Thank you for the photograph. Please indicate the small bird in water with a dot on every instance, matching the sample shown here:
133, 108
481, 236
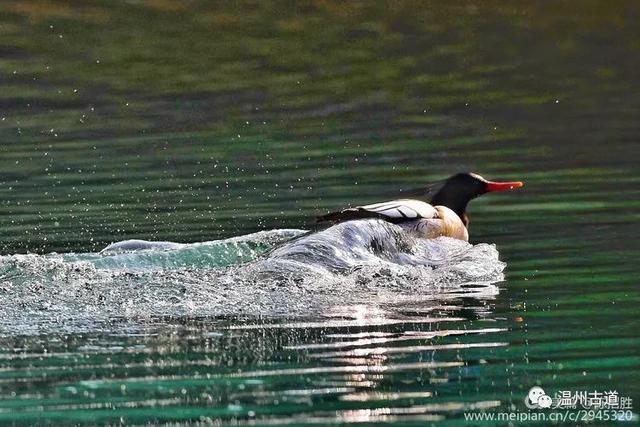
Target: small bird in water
444, 215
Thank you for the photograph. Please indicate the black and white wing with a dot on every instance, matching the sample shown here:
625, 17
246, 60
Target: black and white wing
394, 211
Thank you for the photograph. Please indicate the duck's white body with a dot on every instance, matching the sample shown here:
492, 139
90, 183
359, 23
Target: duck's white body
416, 216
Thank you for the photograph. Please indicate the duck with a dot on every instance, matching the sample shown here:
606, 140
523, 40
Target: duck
443, 214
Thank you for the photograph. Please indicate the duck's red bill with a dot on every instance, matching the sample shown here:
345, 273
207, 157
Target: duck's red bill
502, 186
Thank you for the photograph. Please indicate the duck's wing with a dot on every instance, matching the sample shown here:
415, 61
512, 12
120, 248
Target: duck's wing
395, 211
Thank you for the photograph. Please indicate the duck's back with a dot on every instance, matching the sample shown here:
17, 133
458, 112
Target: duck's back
395, 211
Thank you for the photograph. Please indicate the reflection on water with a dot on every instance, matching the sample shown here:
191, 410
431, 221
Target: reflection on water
117, 123
399, 365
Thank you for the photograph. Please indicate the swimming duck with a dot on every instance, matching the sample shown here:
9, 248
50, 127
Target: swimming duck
444, 215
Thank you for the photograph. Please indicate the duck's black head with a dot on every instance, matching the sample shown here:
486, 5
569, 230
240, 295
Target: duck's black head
459, 189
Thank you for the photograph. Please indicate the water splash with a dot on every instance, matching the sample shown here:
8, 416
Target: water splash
269, 273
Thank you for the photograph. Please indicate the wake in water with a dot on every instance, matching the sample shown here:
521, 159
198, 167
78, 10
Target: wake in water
277, 272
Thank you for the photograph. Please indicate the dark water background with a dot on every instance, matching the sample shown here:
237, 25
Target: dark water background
205, 120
